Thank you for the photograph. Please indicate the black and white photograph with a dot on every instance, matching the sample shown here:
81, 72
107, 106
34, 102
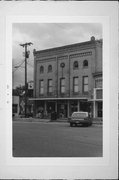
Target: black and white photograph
57, 90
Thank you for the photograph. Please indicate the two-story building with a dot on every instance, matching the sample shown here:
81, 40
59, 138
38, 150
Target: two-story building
68, 79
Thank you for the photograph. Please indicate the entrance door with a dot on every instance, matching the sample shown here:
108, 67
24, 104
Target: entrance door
62, 111
84, 106
50, 106
99, 109
73, 106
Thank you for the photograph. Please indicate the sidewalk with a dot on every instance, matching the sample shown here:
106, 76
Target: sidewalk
30, 119
96, 121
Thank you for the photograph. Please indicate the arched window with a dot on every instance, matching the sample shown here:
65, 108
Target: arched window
75, 65
41, 70
50, 68
85, 63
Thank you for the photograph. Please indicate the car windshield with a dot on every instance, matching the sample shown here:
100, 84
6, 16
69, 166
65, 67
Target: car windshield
79, 115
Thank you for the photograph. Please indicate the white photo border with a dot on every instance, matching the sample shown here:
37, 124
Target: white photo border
62, 168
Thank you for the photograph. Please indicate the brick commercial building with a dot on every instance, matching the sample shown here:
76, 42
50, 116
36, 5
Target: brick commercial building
68, 79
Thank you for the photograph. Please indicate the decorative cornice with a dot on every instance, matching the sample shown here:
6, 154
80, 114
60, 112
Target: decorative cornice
65, 49
97, 74
62, 57
46, 59
89, 53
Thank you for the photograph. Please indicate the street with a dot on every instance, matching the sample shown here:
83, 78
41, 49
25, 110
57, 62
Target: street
53, 139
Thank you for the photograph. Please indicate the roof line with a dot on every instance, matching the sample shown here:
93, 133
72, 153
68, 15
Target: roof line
67, 46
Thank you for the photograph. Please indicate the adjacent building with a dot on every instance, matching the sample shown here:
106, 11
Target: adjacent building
18, 100
68, 79
15, 106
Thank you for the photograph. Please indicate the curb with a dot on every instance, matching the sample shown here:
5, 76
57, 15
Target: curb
49, 121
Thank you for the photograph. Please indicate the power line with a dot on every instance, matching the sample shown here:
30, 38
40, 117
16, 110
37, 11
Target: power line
30, 65
18, 63
17, 67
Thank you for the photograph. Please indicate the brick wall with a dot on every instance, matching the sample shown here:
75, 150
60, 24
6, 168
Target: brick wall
91, 52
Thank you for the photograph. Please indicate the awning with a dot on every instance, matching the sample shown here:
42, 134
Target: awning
60, 98
96, 100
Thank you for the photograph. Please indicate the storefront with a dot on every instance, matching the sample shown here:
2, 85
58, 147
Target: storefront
97, 103
63, 107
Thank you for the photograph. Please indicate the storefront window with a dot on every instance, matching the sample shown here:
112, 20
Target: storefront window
73, 107
15, 107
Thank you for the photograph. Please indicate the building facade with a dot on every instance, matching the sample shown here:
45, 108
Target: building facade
68, 79
15, 106
30, 103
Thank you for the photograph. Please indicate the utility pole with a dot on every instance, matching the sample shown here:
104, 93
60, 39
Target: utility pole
26, 86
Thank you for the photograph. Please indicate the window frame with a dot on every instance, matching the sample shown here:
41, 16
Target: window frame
98, 82
49, 70
41, 87
75, 84
50, 86
85, 84
85, 61
62, 86
74, 65
41, 70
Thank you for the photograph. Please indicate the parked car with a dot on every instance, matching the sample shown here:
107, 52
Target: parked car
82, 118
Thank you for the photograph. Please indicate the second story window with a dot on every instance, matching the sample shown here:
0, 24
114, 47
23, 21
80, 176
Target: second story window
75, 65
62, 85
41, 87
50, 86
85, 84
50, 68
75, 85
98, 82
41, 70
85, 64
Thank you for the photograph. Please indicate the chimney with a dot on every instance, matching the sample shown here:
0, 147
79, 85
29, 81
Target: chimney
92, 38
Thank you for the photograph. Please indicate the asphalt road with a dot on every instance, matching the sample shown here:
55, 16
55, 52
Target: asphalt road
36, 139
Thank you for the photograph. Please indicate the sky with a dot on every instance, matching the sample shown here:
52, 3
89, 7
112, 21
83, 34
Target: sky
44, 36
